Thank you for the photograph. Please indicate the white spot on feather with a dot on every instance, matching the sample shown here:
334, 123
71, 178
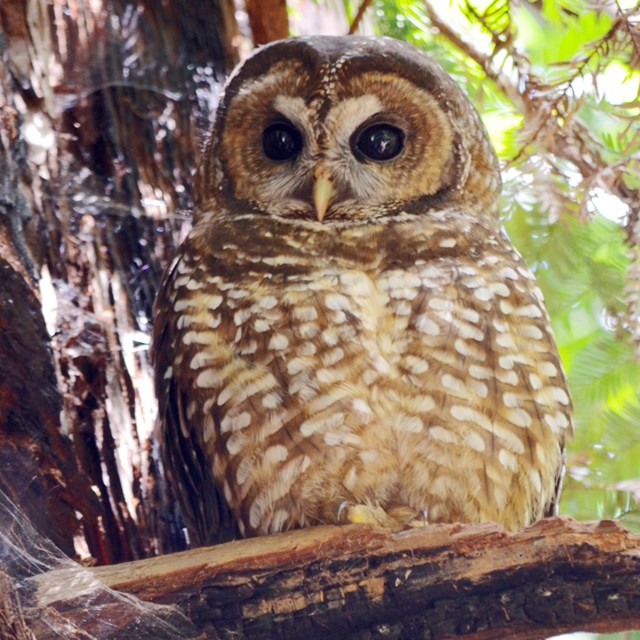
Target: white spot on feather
551, 395
508, 460
474, 440
200, 359
332, 357
483, 293
453, 384
276, 453
535, 381
278, 342
336, 301
529, 311
427, 325
500, 289
518, 417
416, 365
241, 316
442, 434
508, 272
236, 442
271, 400
548, 369
235, 423
480, 373
510, 400
531, 331
321, 424
508, 377
208, 428
410, 424
305, 314
467, 414
268, 302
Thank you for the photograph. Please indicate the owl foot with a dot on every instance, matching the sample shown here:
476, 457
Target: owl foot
395, 517
362, 514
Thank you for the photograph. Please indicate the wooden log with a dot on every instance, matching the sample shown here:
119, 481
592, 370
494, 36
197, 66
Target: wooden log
474, 581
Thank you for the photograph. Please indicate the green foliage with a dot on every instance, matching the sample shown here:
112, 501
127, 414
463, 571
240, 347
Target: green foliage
557, 84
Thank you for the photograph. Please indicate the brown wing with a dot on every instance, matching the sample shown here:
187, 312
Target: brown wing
202, 507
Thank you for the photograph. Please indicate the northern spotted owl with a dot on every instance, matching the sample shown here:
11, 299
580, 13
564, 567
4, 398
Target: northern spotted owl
346, 335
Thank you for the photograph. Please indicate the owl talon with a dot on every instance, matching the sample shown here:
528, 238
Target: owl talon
421, 520
341, 508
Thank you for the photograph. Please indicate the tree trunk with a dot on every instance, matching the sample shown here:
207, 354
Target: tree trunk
102, 104
268, 20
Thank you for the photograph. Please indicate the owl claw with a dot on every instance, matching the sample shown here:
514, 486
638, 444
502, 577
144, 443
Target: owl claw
421, 520
341, 507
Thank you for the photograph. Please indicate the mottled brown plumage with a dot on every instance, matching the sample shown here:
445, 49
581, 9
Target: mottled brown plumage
346, 335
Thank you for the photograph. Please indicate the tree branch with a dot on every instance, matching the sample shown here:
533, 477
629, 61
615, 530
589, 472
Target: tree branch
364, 5
475, 581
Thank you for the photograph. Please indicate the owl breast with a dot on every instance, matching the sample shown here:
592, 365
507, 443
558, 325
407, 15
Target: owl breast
404, 366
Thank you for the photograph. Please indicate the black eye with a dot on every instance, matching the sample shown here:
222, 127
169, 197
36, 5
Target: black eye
281, 141
379, 142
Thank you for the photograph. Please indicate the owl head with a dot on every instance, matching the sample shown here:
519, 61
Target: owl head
327, 129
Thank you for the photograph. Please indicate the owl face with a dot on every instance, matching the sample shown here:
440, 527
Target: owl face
329, 129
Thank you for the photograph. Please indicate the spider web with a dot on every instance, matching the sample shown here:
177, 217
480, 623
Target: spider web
44, 594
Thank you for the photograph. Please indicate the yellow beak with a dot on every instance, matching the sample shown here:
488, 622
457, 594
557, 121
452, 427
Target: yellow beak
322, 191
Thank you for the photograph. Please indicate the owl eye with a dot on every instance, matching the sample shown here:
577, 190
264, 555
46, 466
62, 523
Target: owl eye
281, 141
379, 142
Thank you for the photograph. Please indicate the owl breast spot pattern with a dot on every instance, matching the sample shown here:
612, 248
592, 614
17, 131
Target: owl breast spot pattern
395, 357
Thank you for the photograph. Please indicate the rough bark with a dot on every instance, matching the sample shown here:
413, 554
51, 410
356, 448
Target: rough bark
101, 107
475, 581
12, 621
38, 469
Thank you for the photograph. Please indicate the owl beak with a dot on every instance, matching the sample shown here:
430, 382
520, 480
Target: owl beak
322, 191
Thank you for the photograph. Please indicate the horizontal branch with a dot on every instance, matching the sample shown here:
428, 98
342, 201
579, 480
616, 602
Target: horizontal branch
443, 581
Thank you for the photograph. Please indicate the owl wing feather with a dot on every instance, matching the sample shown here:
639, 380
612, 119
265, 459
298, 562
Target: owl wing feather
202, 506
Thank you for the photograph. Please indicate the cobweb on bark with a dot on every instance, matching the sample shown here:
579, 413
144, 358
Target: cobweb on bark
44, 594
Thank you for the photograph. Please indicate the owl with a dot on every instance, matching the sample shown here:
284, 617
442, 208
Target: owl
346, 335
